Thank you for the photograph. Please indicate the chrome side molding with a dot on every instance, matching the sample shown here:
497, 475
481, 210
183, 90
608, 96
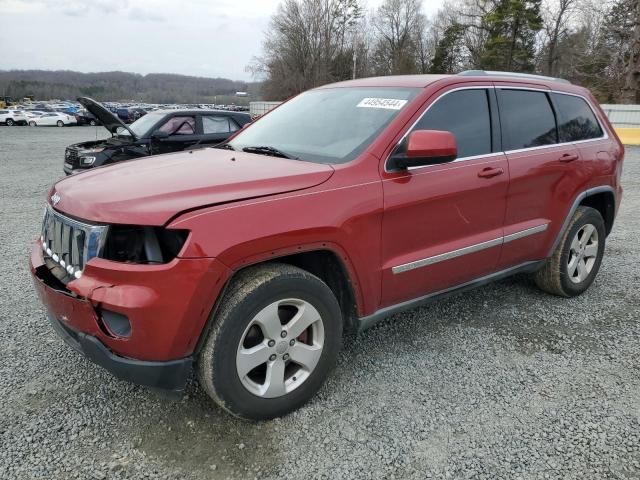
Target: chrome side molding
423, 262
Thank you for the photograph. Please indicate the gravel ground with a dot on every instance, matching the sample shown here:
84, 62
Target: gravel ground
502, 382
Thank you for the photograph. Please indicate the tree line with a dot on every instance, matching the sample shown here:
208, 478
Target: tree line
594, 43
115, 86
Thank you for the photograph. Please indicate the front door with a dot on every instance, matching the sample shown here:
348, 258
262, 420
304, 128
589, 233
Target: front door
182, 134
443, 224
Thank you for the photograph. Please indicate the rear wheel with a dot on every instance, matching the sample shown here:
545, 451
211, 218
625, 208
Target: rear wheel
60, 123
10, 122
574, 265
274, 339
92, 123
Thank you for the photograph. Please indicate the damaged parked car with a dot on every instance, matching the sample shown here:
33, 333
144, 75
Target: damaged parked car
162, 131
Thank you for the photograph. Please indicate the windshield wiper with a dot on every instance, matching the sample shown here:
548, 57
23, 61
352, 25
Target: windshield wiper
267, 150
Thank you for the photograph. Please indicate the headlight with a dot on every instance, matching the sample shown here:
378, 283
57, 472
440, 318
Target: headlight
87, 160
92, 150
134, 244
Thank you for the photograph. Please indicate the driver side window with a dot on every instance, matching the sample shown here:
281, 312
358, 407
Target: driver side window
465, 113
179, 126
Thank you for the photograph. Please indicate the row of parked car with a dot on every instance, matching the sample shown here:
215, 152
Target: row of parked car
62, 115
46, 118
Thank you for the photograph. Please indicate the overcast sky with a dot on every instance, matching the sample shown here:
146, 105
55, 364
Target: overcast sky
209, 38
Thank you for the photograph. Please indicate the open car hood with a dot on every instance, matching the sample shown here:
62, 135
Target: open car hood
108, 119
153, 190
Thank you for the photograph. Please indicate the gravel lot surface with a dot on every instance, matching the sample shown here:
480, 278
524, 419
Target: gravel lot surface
502, 382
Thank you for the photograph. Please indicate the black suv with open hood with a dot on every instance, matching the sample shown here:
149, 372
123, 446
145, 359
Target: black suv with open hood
162, 131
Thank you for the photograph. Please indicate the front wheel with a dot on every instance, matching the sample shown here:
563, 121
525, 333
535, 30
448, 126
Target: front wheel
92, 123
274, 340
60, 123
32, 124
575, 263
10, 122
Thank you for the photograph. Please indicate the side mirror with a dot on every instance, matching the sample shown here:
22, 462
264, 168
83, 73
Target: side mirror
426, 147
159, 135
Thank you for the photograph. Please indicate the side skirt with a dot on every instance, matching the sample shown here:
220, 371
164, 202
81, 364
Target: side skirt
367, 322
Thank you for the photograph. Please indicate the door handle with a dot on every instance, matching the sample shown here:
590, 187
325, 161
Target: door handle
490, 172
568, 157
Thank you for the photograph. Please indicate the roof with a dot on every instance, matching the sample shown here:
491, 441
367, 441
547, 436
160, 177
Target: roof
422, 81
415, 81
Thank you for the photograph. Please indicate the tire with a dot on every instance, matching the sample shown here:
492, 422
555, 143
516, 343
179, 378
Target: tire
10, 122
33, 124
284, 291
60, 123
92, 123
575, 263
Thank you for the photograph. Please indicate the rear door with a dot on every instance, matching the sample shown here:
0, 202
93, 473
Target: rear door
442, 224
544, 173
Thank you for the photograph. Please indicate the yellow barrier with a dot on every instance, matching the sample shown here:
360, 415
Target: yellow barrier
629, 136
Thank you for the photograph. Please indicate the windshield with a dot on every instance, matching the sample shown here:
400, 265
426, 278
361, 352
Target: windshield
141, 126
331, 125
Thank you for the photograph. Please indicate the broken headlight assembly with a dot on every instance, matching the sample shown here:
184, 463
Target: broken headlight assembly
145, 245
86, 157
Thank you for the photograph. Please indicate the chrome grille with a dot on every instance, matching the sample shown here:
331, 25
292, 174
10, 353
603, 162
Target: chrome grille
70, 243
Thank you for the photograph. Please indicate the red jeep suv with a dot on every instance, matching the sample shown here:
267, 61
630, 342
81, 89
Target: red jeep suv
247, 262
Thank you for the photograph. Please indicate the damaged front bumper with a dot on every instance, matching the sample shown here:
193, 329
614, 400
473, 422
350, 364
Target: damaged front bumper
165, 306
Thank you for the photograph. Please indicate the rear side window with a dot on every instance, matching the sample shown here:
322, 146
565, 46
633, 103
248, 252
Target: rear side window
217, 124
464, 113
527, 119
577, 121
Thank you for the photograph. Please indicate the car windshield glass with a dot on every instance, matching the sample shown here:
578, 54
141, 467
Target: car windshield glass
331, 125
142, 126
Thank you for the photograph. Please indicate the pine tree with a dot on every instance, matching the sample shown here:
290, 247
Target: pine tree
512, 26
447, 53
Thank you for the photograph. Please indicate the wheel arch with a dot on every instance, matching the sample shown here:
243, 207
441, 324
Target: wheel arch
326, 261
605, 203
597, 197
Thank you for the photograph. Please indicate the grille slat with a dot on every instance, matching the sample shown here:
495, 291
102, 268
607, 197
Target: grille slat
70, 243
66, 244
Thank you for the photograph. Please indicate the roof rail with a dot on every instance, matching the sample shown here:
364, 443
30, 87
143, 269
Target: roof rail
479, 73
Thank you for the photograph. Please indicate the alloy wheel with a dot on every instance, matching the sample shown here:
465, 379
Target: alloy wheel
583, 253
280, 348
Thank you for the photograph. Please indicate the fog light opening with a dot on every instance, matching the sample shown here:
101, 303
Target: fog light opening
114, 324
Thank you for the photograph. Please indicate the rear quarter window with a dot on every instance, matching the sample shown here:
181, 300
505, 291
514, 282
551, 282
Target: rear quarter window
527, 119
576, 119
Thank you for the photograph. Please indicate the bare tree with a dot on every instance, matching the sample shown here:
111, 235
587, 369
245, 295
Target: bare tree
556, 17
396, 22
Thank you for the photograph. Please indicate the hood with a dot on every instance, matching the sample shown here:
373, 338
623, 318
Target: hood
151, 191
108, 119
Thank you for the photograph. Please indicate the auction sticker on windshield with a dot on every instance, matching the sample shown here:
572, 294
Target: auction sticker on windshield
388, 103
